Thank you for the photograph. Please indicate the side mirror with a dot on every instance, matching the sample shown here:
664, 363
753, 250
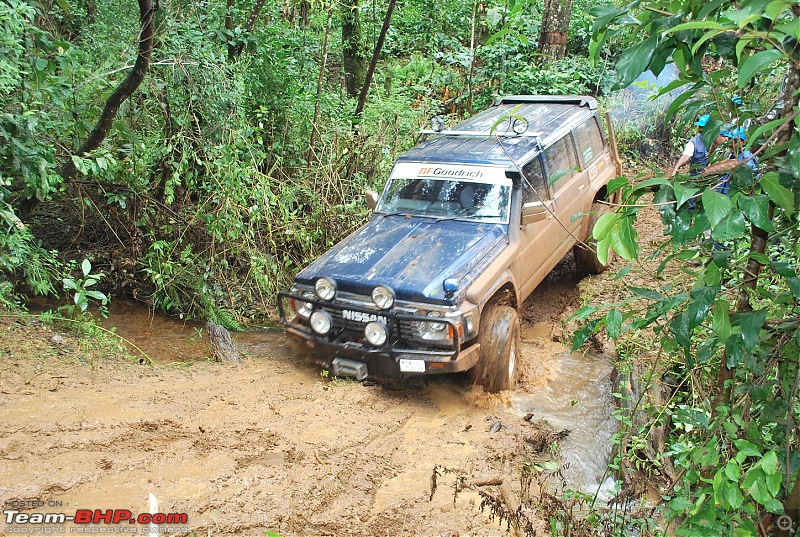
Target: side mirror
535, 212
372, 199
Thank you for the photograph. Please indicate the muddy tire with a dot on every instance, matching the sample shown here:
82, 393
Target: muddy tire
586, 259
500, 340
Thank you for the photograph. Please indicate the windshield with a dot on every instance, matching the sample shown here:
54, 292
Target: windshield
441, 198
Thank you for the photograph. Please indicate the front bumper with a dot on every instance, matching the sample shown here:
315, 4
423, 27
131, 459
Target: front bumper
398, 357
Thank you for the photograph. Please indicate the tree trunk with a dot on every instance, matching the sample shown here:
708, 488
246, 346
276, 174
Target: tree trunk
320, 84
115, 100
555, 25
251, 23
375, 54
352, 56
229, 29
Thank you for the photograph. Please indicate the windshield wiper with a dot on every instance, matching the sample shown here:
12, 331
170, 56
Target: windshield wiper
395, 214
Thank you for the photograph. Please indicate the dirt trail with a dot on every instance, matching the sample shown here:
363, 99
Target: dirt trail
268, 446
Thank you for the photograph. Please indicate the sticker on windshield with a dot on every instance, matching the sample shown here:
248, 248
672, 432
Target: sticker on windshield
424, 170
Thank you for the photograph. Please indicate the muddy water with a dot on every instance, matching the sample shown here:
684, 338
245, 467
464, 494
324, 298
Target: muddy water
571, 391
567, 391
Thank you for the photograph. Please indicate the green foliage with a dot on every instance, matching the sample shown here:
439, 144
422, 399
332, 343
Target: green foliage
730, 343
22, 258
82, 294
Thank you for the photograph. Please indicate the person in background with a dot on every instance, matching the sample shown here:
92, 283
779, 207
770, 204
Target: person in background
695, 153
741, 154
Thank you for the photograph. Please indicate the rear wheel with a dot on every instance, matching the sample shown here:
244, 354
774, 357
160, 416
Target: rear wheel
586, 258
500, 340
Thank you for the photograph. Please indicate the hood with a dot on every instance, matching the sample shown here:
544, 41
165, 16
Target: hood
411, 255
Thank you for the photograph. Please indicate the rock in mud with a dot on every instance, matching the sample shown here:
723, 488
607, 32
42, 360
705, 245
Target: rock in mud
221, 343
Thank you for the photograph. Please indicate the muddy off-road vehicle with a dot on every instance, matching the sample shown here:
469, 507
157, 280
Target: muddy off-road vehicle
470, 221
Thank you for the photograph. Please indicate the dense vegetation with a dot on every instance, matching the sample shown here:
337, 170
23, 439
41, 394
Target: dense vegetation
724, 386
238, 157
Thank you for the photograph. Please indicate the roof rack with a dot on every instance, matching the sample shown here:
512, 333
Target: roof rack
580, 100
479, 134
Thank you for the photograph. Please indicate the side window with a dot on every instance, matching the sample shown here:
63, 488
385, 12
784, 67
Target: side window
534, 186
560, 163
589, 141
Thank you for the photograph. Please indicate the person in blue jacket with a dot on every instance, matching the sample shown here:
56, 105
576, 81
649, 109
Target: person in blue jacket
741, 154
695, 153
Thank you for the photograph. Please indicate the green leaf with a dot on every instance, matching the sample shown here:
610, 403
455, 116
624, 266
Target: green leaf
613, 323
635, 60
774, 483
769, 463
720, 322
698, 25
747, 448
644, 292
732, 470
86, 267
751, 323
756, 64
604, 225
731, 227
794, 286
583, 334
756, 209
582, 313
698, 308
646, 185
683, 193
780, 195
623, 240
767, 127
603, 246
716, 205
734, 351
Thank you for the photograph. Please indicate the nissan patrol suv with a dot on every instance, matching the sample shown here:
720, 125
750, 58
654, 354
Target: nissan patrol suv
470, 221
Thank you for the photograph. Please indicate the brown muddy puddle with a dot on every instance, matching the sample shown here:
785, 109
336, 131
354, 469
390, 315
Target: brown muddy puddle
566, 390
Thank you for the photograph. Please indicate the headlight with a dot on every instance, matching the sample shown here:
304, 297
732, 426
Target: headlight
321, 322
383, 297
375, 333
304, 308
325, 288
433, 330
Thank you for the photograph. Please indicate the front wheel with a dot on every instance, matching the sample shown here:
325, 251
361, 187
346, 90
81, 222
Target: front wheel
586, 259
500, 340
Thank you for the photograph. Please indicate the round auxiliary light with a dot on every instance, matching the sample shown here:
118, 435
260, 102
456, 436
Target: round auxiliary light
321, 322
437, 124
383, 297
519, 125
304, 308
375, 333
325, 288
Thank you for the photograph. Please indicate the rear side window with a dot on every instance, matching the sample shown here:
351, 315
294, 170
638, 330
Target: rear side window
560, 163
589, 141
534, 186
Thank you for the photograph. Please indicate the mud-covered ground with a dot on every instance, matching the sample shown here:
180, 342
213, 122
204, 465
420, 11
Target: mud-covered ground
271, 445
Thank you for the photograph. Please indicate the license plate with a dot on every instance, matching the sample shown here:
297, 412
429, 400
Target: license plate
412, 366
